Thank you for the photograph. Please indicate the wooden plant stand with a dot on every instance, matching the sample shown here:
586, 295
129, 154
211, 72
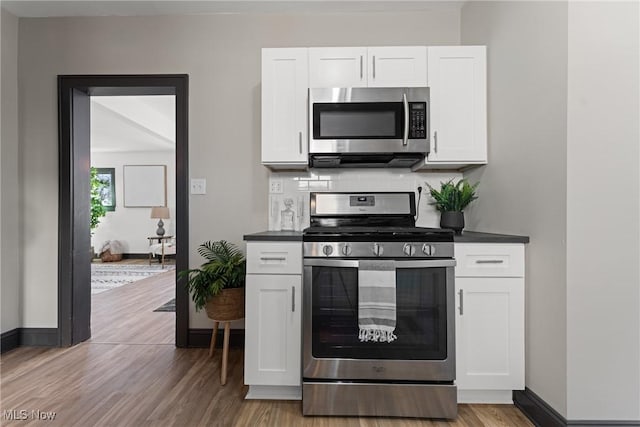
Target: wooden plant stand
225, 307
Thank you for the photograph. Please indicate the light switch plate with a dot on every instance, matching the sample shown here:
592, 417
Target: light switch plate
275, 186
198, 186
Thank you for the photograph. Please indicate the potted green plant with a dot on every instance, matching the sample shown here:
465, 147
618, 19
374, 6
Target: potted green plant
451, 200
218, 285
97, 209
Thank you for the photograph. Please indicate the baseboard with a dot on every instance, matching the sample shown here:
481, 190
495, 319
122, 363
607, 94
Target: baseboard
603, 423
201, 338
543, 415
537, 410
9, 340
493, 397
38, 337
136, 256
43, 337
271, 392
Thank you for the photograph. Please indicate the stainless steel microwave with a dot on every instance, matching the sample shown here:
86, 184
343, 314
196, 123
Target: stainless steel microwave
368, 127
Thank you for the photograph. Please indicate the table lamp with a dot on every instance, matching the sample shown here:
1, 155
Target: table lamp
160, 212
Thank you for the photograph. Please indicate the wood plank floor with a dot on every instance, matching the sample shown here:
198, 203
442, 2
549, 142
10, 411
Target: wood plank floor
125, 314
130, 374
158, 385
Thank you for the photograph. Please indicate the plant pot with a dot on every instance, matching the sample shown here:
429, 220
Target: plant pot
452, 220
227, 305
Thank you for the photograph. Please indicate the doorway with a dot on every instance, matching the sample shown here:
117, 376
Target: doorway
132, 186
74, 273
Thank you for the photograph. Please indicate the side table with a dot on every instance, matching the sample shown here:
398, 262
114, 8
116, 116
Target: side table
161, 240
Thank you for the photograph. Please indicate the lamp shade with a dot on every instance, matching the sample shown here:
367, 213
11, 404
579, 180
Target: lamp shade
160, 212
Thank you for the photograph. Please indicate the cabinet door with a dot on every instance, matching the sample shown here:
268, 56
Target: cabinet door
284, 107
337, 67
490, 333
272, 329
401, 66
458, 91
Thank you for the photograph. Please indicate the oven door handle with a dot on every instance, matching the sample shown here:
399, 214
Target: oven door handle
426, 263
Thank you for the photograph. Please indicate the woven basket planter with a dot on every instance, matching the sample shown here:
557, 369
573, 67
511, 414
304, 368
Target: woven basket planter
227, 305
107, 256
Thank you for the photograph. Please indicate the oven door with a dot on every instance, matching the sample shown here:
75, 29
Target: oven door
425, 347
368, 120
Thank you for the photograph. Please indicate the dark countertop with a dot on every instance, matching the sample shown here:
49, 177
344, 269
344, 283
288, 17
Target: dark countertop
465, 237
479, 237
275, 236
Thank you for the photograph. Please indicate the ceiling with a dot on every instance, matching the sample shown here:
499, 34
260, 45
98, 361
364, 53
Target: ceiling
133, 123
40, 9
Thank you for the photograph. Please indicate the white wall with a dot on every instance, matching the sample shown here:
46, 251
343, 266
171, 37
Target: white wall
132, 226
221, 54
564, 168
9, 183
523, 188
603, 216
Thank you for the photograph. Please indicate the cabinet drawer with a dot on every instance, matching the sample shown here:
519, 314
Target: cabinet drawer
489, 260
274, 258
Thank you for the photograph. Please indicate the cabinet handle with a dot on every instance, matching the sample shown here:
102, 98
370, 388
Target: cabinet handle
293, 299
374, 66
461, 302
273, 258
435, 141
405, 136
489, 261
361, 67
300, 142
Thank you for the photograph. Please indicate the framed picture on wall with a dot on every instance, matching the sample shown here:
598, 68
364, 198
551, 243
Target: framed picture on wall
145, 186
107, 176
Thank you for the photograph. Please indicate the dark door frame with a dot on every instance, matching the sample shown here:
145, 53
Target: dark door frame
74, 274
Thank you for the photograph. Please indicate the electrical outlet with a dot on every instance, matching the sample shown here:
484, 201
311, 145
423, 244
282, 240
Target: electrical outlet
275, 186
198, 186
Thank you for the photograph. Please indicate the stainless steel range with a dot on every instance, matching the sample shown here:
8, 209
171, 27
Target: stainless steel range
378, 318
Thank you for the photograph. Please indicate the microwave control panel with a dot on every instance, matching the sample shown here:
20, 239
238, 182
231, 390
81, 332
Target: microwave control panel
417, 120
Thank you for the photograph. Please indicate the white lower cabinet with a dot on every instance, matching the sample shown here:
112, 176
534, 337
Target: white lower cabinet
273, 325
489, 322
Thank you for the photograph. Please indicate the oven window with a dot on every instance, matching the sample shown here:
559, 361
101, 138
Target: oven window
358, 120
421, 318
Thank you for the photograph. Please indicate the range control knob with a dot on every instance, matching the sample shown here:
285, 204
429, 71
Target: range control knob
428, 249
408, 249
327, 250
346, 249
377, 249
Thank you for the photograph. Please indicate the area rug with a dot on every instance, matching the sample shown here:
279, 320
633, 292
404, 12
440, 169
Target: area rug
169, 306
105, 277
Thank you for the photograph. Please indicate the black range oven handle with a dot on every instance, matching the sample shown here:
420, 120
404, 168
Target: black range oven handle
354, 263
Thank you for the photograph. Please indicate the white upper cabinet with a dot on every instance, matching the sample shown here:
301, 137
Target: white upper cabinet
456, 77
285, 84
402, 66
457, 80
337, 67
398, 66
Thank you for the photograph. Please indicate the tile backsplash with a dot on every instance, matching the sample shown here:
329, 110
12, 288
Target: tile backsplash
289, 210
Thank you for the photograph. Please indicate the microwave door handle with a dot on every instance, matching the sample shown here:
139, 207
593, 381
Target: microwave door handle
406, 119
